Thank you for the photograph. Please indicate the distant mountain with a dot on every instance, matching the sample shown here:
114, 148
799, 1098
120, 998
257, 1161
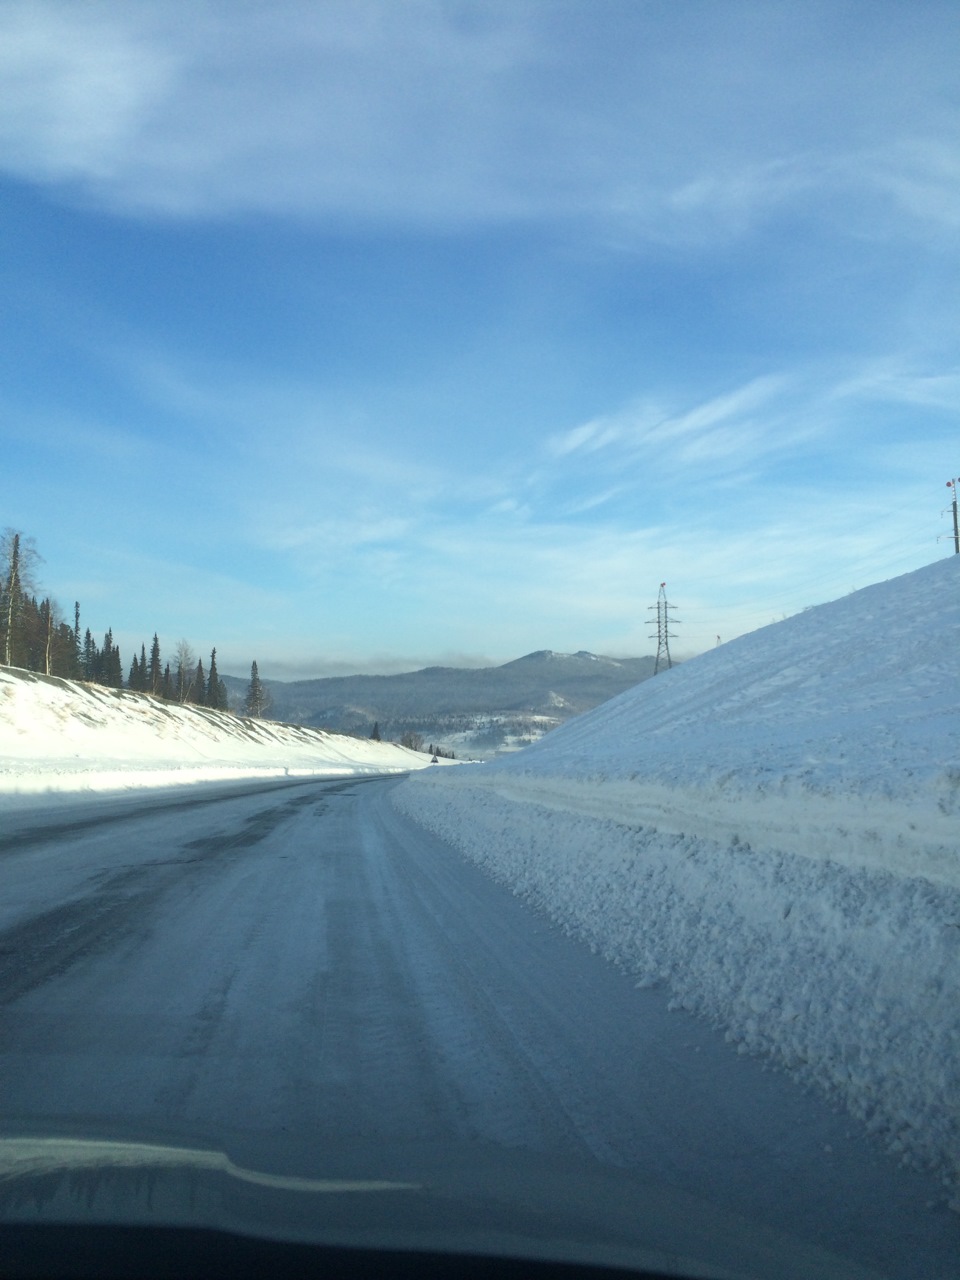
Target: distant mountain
472, 710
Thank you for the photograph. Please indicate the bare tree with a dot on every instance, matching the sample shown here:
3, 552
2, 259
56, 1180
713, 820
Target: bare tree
186, 669
18, 559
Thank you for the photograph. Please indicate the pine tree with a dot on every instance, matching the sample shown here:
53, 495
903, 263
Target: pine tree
89, 664
64, 660
113, 667
109, 668
166, 686
133, 680
256, 702
198, 690
213, 682
223, 696
375, 731
154, 672
105, 659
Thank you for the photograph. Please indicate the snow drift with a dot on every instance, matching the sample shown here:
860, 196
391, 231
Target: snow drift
772, 830
60, 737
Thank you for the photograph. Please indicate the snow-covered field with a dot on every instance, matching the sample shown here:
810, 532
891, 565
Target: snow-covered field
773, 830
59, 738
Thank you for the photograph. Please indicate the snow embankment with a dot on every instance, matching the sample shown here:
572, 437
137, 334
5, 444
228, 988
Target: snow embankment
773, 830
60, 737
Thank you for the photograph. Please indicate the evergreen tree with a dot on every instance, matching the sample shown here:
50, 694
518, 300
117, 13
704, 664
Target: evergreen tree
105, 659
198, 690
213, 682
50, 640
155, 675
256, 703
223, 696
32, 633
133, 680
166, 685
375, 731
110, 665
64, 658
89, 663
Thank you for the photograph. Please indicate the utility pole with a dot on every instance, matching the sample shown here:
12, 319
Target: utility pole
952, 484
664, 634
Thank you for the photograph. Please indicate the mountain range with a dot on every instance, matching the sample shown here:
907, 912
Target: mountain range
477, 711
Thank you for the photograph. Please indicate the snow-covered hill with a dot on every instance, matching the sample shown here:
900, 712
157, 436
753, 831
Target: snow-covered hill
61, 737
773, 830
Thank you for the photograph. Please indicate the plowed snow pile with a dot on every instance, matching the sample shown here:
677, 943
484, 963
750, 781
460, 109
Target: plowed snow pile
773, 830
60, 737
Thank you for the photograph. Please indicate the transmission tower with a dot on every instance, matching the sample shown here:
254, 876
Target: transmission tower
952, 484
664, 634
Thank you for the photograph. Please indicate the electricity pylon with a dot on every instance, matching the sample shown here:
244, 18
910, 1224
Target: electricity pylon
664, 634
952, 484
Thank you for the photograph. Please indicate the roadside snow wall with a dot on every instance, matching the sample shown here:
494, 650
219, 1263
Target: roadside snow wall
847, 976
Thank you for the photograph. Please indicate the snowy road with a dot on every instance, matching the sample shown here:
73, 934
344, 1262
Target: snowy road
299, 970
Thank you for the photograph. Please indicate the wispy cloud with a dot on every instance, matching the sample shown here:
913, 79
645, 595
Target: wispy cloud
922, 174
727, 428
399, 110
894, 381
336, 537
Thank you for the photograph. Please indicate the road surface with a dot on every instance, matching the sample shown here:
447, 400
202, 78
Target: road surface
299, 970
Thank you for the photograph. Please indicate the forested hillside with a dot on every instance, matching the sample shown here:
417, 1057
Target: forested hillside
477, 710
35, 636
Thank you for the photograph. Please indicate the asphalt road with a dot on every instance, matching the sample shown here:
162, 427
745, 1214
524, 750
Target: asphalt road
298, 971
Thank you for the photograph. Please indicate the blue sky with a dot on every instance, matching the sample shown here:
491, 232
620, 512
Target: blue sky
361, 335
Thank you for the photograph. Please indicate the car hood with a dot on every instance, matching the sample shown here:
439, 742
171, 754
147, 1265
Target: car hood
477, 1201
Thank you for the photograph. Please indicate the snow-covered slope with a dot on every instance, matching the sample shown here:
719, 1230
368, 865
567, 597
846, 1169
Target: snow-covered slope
61, 737
773, 829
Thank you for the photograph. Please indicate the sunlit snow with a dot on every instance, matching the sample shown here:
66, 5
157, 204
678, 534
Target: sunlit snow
773, 831
61, 738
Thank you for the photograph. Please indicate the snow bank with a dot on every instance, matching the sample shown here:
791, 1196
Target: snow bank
772, 830
60, 737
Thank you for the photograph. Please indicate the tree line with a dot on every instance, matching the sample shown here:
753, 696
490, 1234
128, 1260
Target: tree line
35, 636
414, 740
